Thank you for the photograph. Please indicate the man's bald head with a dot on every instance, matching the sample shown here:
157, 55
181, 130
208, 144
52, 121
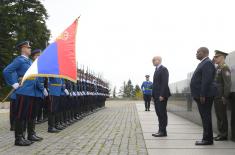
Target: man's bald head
202, 53
157, 60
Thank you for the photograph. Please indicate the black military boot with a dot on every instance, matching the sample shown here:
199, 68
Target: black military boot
62, 120
25, 126
31, 132
51, 124
57, 122
67, 118
70, 117
19, 140
12, 121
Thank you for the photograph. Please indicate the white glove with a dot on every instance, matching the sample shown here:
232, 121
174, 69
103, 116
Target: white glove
66, 91
78, 94
15, 85
45, 92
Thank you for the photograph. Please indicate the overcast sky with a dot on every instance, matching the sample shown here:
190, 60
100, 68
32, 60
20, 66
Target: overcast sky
119, 37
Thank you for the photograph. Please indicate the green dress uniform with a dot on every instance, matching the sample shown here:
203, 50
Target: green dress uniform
223, 81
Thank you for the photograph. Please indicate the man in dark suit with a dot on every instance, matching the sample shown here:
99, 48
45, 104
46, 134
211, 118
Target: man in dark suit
160, 93
203, 91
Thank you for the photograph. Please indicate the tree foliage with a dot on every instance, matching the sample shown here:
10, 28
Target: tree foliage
21, 20
127, 90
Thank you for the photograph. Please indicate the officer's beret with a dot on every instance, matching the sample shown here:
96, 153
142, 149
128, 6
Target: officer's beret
36, 51
147, 76
219, 53
23, 43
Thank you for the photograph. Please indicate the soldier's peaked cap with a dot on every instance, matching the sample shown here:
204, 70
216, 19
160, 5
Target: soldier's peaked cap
36, 51
23, 43
219, 53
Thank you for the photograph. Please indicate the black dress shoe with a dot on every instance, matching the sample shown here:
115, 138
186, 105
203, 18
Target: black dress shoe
145, 109
204, 142
28, 141
59, 127
22, 142
220, 138
160, 134
34, 138
63, 125
39, 137
53, 130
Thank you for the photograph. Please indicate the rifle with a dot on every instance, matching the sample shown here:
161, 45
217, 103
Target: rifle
9, 94
12, 90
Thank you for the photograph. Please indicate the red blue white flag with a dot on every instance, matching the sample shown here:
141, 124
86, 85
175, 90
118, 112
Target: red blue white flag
58, 59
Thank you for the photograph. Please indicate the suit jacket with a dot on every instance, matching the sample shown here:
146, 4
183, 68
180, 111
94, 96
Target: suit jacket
202, 82
160, 83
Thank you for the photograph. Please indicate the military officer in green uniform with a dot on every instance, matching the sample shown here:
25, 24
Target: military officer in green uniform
223, 81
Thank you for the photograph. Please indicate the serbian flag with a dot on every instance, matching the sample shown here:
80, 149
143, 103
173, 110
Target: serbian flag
58, 59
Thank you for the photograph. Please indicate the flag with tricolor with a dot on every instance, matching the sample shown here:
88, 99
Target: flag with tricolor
58, 59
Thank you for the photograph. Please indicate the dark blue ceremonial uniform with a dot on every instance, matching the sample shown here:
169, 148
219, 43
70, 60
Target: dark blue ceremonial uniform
25, 97
55, 89
147, 93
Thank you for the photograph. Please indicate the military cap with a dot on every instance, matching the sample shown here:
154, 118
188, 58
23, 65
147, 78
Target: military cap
21, 44
147, 76
220, 53
36, 51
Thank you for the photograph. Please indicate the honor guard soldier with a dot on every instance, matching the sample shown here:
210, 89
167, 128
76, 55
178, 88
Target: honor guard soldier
147, 92
40, 99
54, 85
25, 94
39, 96
63, 104
223, 81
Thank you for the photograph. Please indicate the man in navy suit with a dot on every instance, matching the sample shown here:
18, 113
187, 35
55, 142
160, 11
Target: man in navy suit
160, 93
203, 90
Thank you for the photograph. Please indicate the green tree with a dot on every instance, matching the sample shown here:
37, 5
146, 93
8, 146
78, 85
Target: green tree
122, 90
137, 92
129, 89
21, 20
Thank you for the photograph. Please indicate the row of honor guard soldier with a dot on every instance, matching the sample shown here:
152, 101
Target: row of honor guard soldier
62, 101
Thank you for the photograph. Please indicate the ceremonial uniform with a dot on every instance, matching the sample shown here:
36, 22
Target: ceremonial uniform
55, 88
25, 96
223, 82
63, 108
147, 93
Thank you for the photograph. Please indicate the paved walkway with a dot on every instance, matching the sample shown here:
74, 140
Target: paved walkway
113, 130
122, 128
182, 135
